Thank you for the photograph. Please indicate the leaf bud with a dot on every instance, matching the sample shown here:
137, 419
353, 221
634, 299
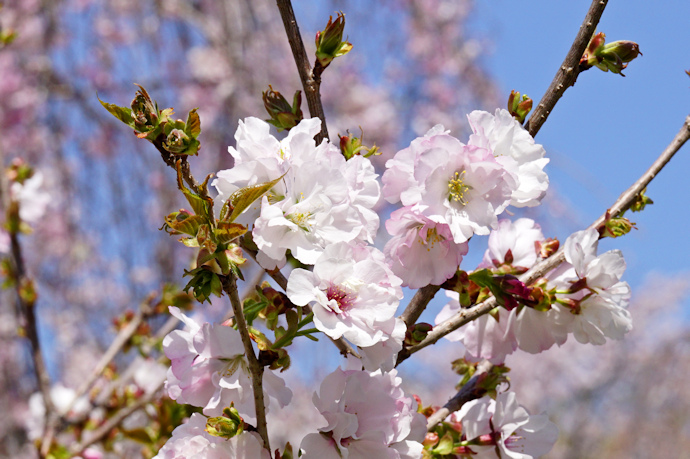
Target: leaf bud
616, 227
519, 106
329, 41
351, 146
613, 56
144, 111
416, 333
283, 115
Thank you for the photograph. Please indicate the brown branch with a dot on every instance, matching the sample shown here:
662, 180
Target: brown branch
569, 70
171, 160
311, 79
418, 303
256, 370
623, 202
468, 392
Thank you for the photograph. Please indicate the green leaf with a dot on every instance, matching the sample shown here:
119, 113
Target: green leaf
193, 127
122, 113
244, 197
227, 232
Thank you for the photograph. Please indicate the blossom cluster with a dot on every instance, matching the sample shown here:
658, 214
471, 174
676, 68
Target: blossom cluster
321, 212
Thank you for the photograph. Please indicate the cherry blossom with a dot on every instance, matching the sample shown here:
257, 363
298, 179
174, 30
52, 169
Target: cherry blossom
422, 251
452, 183
367, 415
354, 293
33, 200
515, 149
208, 369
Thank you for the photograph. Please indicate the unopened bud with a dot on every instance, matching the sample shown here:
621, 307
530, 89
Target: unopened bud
329, 41
640, 202
283, 115
416, 333
547, 248
519, 106
177, 141
226, 426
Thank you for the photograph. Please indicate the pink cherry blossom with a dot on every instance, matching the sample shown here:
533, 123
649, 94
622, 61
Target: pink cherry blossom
452, 183
33, 200
208, 369
368, 416
515, 149
421, 252
354, 293
518, 237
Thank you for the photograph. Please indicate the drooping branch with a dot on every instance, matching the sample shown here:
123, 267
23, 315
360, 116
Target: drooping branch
568, 71
311, 78
623, 202
256, 370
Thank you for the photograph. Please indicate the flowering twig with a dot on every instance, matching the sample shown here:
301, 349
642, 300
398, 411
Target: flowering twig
569, 70
469, 391
255, 368
113, 422
623, 202
118, 343
311, 78
343, 346
565, 77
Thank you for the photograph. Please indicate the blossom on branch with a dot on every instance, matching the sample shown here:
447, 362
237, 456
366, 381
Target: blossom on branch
208, 369
368, 416
354, 293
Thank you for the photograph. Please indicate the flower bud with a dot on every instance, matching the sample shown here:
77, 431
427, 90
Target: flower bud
329, 44
616, 227
640, 202
283, 115
177, 141
518, 106
416, 333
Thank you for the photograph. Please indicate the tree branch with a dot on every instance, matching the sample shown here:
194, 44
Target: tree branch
256, 370
540, 269
418, 303
569, 70
468, 392
311, 79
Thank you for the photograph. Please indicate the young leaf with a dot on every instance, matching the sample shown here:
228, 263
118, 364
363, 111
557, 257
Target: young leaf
244, 197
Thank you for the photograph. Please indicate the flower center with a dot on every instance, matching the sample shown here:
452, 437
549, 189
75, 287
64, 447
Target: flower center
457, 188
343, 297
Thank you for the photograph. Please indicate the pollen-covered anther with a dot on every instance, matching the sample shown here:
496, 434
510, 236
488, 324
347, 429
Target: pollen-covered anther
457, 188
342, 296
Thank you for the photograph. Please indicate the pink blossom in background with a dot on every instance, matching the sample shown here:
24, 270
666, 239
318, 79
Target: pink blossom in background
33, 200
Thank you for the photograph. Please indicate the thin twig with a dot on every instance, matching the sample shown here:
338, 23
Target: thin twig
623, 202
113, 422
569, 70
256, 370
171, 160
311, 79
469, 391
118, 343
